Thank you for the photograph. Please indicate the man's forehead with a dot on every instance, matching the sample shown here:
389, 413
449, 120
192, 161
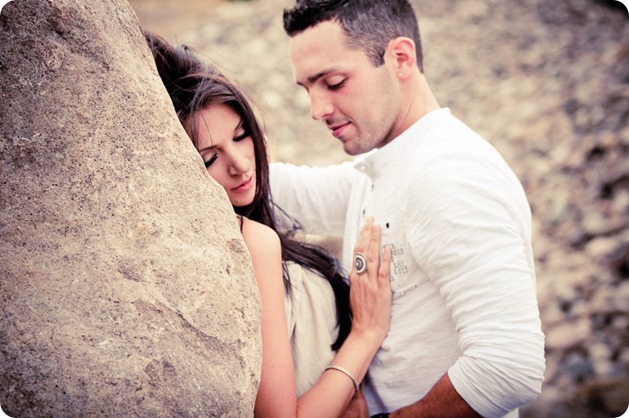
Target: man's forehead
317, 52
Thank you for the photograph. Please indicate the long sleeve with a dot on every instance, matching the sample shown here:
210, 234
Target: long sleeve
317, 197
470, 233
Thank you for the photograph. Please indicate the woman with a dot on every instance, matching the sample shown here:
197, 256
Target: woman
314, 356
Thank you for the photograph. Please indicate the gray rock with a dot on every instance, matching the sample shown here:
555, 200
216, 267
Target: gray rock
547, 83
125, 286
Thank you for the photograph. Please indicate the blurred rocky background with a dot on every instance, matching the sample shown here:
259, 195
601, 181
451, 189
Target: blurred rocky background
547, 82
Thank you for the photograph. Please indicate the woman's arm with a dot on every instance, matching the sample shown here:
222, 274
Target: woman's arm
277, 394
370, 297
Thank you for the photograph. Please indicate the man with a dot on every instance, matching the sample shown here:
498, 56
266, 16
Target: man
465, 337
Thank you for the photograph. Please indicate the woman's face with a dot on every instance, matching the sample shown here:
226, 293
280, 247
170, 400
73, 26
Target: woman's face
226, 147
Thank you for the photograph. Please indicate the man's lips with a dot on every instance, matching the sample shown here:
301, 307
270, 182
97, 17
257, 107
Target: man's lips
337, 130
245, 186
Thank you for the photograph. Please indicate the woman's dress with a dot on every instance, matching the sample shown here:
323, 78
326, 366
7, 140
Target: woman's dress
312, 325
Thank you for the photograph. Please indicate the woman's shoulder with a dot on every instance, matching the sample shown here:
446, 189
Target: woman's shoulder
265, 250
258, 235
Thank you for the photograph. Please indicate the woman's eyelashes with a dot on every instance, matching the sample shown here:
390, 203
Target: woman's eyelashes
245, 134
239, 137
209, 162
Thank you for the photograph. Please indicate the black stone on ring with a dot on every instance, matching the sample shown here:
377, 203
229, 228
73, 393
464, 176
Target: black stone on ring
360, 262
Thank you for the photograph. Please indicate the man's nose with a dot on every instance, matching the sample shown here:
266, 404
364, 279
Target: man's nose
320, 107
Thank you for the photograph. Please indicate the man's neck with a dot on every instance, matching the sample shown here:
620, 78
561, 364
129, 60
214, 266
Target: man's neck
419, 100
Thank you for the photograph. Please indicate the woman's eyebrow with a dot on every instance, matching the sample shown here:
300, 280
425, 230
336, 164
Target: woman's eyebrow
207, 148
240, 125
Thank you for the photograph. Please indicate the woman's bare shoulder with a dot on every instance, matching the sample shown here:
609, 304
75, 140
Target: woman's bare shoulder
264, 247
257, 236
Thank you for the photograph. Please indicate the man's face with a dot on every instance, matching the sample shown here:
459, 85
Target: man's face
357, 101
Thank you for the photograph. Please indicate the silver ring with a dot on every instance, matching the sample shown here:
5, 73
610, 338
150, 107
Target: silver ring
360, 263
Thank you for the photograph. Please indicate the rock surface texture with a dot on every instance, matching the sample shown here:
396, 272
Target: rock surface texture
125, 286
547, 82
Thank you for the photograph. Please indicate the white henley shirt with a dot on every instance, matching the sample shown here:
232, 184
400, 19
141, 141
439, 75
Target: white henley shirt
463, 278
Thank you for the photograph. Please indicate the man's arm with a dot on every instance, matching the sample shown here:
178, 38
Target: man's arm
470, 234
317, 197
443, 401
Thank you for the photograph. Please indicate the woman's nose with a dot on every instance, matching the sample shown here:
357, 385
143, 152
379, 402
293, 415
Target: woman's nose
239, 165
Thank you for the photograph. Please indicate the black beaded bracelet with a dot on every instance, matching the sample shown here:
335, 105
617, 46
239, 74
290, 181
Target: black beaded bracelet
381, 415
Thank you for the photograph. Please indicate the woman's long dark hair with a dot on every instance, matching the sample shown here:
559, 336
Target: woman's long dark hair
193, 85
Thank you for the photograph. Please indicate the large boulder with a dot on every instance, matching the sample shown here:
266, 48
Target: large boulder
125, 286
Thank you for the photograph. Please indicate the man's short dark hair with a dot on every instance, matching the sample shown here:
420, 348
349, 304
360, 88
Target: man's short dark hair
369, 24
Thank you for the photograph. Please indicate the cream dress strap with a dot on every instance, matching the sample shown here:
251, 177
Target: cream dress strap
311, 321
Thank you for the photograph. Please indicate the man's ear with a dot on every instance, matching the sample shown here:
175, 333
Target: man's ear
402, 51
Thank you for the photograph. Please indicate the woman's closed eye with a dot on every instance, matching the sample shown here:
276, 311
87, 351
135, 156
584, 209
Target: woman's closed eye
244, 135
211, 160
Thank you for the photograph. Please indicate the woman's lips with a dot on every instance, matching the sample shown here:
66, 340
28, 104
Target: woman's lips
244, 187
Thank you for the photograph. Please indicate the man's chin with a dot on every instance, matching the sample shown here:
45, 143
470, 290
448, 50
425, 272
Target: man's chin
351, 149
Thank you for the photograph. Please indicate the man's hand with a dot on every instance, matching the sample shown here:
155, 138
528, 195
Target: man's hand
357, 407
443, 401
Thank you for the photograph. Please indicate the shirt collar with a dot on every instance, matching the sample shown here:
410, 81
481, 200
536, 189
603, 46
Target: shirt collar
376, 161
